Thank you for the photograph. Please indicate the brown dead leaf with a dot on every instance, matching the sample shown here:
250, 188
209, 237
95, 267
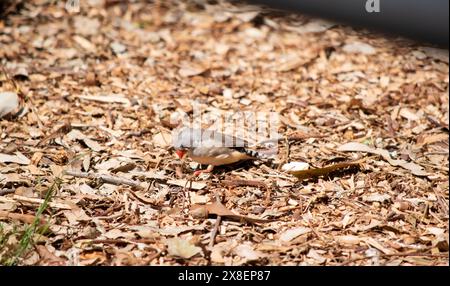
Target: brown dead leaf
216, 208
49, 258
182, 248
325, 171
358, 147
425, 140
191, 70
247, 252
26, 218
18, 158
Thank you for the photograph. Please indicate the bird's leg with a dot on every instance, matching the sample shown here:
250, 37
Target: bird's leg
207, 170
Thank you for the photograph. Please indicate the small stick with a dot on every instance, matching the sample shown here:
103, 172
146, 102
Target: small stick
6, 191
114, 180
214, 231
144, 200
23, 199
396, 255
26, 218
237, 183
216, 225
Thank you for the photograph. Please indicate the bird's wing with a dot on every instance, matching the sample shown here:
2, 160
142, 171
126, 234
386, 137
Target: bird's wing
191, 137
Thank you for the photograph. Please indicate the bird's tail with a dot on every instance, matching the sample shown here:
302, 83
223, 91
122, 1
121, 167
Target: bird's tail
261, 156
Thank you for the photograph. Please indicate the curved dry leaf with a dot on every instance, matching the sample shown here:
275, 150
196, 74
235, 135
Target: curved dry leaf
110, 98
324, 171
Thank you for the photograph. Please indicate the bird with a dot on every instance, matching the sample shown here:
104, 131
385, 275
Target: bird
212, 148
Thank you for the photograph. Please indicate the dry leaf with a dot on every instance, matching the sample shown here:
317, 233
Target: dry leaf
358, 147
216, 208
348, 239
85, 44
187, 184
292, 64
190, 70
314, 254
435, 53
49, 258
182, 248
9, 102
409, 114
18, 158
325, 171
313, 26
358, 47
425, 140
295, 166
290, 234
377, 198
247, 252
77, 135
162, 139
110, 98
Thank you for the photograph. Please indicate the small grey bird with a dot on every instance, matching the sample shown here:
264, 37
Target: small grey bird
211, 148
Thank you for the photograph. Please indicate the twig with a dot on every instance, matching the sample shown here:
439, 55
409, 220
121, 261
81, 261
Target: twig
395, 255
415, 254
144, 200
35, 201
26, 218
238, 183
216, 225
114, 180
6, 191
286, 158
214, 231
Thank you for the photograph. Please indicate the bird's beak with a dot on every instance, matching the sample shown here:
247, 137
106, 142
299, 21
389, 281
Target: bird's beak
180, 153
